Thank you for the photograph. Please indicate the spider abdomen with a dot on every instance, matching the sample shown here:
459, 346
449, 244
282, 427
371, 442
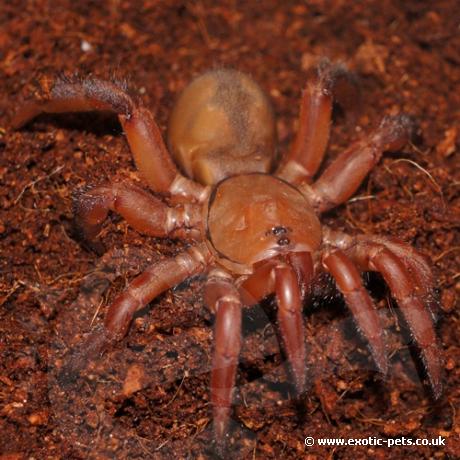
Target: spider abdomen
252, 217
222, 124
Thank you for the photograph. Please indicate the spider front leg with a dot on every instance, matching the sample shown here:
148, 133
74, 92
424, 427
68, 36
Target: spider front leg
359, 302
415, 263
409, 277
222, 298
144, 212
143, 289
345, 174
403, 287
143, 135
416, 315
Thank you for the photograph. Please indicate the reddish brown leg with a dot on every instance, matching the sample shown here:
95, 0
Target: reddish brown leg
290, 321
306, 154
152, 282
223, 299
401, 283
144, 212
416, 265
345, 174
281, 278
414, 262
143, 135
359, 302
302, 263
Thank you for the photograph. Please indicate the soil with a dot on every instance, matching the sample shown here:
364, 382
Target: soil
149, 396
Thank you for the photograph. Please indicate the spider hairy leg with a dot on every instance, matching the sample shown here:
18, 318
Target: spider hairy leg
346, 173
309, 146
75, 95
144, 212
143, 135
416, 315
222, 297
416, 264
156, 279
362, 307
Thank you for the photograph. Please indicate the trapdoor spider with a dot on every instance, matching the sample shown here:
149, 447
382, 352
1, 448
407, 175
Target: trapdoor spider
254, 224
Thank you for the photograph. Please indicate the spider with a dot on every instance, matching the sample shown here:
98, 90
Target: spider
253, 224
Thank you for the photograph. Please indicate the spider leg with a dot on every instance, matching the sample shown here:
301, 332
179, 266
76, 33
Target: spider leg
282, 279
156, 279
377, 257
144, 212
344, 175
144, 137
223, 298
309, 146
290, 321
415, 263
349, 283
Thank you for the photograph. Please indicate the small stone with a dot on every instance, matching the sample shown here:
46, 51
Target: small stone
133, 380
38, 418
86, 46
448, 299
450, 364
448, 145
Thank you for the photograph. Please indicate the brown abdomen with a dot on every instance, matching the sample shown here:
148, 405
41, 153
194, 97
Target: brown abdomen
222, 124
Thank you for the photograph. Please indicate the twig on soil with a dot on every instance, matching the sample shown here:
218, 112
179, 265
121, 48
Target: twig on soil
444, 253
372, 421
31, 184
96, 313
67, 236
37, 269
354, 223
147, 451
361, 198
68, 274
197, 10
413, 163
162, 445
178, 389
9, 293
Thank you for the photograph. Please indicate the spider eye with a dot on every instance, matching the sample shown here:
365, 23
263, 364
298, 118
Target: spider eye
283, 241
279, 230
